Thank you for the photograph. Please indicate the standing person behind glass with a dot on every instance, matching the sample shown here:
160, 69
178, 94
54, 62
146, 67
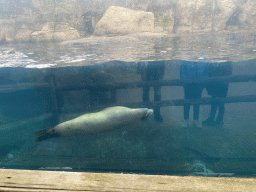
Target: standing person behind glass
193, 90
218, 89
152, 71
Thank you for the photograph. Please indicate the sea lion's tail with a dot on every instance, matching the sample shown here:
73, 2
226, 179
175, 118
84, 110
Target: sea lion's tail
45, 134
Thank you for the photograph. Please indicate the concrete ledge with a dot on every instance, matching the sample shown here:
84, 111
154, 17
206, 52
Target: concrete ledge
26, 180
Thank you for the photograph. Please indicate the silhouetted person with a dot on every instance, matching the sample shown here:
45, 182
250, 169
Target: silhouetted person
218, 89
193, 90
152, 71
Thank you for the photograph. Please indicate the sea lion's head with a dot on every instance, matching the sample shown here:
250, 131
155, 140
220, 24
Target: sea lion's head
146, 113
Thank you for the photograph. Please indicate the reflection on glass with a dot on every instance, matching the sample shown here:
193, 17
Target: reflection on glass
218, 89
152, 71
193, 70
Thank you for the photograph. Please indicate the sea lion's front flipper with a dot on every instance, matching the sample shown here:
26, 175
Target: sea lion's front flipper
46, 134
147, 113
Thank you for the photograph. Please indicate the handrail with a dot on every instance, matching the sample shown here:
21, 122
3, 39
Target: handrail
172, 82
202, 101
176, 102
111, 86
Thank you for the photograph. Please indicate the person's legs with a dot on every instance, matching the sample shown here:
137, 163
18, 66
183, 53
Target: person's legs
146, 77
151, 75
219, 119
146, 94
156, 71
157, 97
198, 89
186, 106
210, 120
211, 89
196, 108
196, 112
222, 92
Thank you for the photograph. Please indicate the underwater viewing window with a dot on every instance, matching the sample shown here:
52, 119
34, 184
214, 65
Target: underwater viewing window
134, 86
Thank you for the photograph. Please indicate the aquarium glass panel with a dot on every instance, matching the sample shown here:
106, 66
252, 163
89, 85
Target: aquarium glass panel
129, 86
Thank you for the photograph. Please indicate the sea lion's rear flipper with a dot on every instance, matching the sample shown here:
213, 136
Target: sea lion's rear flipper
45, 134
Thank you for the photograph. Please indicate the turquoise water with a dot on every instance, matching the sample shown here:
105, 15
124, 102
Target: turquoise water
43, 85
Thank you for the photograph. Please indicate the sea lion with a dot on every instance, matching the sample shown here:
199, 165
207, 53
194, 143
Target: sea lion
91, 123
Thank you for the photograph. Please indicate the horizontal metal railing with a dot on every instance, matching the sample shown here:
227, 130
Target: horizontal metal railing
173, 82
110, 86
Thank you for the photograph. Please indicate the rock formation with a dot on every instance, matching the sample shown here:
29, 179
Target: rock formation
119, 20
55, 32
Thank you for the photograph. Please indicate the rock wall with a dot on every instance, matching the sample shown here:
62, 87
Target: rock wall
215, 15
25, 20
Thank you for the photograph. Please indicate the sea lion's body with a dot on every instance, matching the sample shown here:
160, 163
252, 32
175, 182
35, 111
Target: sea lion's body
107, 119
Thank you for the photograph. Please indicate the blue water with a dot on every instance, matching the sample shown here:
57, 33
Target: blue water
40, 89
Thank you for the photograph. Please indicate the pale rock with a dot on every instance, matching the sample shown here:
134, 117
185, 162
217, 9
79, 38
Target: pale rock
55, 32
121, 21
